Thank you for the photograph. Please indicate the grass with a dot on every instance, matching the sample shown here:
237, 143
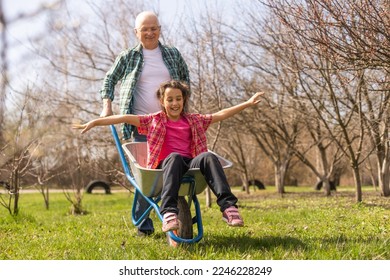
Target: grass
301, 225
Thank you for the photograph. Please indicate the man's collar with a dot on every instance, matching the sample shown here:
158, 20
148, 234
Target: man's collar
139, 47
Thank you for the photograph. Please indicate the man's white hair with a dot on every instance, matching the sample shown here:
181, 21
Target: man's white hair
141, 16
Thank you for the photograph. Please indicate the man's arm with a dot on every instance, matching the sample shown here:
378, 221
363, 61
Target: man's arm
183, 70
110, 80
107, 108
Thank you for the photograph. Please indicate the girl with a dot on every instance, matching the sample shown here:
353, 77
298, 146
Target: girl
176, 143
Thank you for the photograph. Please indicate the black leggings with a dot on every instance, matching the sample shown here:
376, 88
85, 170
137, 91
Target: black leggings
175, 166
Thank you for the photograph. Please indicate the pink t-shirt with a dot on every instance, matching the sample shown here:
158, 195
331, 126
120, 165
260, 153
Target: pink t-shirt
153, 126
177, 139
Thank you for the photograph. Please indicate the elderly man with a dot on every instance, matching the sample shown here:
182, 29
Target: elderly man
141, 70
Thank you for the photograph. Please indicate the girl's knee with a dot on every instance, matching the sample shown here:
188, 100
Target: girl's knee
209, 156
209, 160
173, 158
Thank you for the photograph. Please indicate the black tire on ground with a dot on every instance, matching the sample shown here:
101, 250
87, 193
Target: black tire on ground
6, 185
256, 183
185, 230
98, 184
318, 186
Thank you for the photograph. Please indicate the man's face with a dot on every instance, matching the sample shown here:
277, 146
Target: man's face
148, 32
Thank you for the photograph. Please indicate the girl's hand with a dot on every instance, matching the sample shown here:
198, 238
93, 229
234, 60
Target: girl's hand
256, 98
85, 127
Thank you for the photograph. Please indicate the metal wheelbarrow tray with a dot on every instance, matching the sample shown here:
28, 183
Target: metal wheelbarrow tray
148, 183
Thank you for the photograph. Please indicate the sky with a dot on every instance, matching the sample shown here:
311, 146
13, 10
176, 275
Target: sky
20, 32
168, 9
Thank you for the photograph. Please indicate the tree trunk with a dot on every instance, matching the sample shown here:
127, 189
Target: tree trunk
15, 185
46, 198
358, 184
208, 197
279, 179
384, 177
245, 179
326, 186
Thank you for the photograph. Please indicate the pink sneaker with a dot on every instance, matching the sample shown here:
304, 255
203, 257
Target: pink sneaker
232, 217
170, 222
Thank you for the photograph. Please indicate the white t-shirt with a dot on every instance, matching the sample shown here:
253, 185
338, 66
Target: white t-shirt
154, 72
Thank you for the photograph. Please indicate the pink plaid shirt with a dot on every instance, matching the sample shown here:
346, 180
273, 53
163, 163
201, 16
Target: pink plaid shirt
153, 126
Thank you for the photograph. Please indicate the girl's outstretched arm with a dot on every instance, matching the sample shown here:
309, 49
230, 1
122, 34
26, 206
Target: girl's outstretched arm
231, 111
114, 119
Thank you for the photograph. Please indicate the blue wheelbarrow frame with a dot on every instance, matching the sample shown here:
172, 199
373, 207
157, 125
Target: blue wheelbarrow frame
148, 184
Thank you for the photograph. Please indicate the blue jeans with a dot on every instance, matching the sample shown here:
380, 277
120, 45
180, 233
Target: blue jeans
141, 204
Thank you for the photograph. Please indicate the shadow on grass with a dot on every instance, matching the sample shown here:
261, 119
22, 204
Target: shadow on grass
374, 205
245, 243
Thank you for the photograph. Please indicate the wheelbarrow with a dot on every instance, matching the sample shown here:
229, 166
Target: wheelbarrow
148, 184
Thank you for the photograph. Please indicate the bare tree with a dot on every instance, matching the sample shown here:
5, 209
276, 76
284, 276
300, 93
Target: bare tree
20, 134
75, 172
43, 169
211, 81
243, 151
334, 83
274, 127
4, 67
314, 136
21, 145
358, 39
275, 132
6, 22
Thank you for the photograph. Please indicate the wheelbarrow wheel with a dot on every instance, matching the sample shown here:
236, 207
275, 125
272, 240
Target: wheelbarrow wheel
185, 230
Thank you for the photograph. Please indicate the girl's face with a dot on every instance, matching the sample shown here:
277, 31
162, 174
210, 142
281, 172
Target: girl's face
173, 103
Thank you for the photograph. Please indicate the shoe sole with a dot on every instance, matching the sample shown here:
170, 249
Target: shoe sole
233, 224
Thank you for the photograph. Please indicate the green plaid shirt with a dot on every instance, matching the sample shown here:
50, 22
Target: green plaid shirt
128, 67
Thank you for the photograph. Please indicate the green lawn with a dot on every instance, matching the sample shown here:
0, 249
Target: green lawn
301, 225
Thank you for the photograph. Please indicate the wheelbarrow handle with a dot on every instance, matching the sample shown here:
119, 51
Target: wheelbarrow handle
122, 157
